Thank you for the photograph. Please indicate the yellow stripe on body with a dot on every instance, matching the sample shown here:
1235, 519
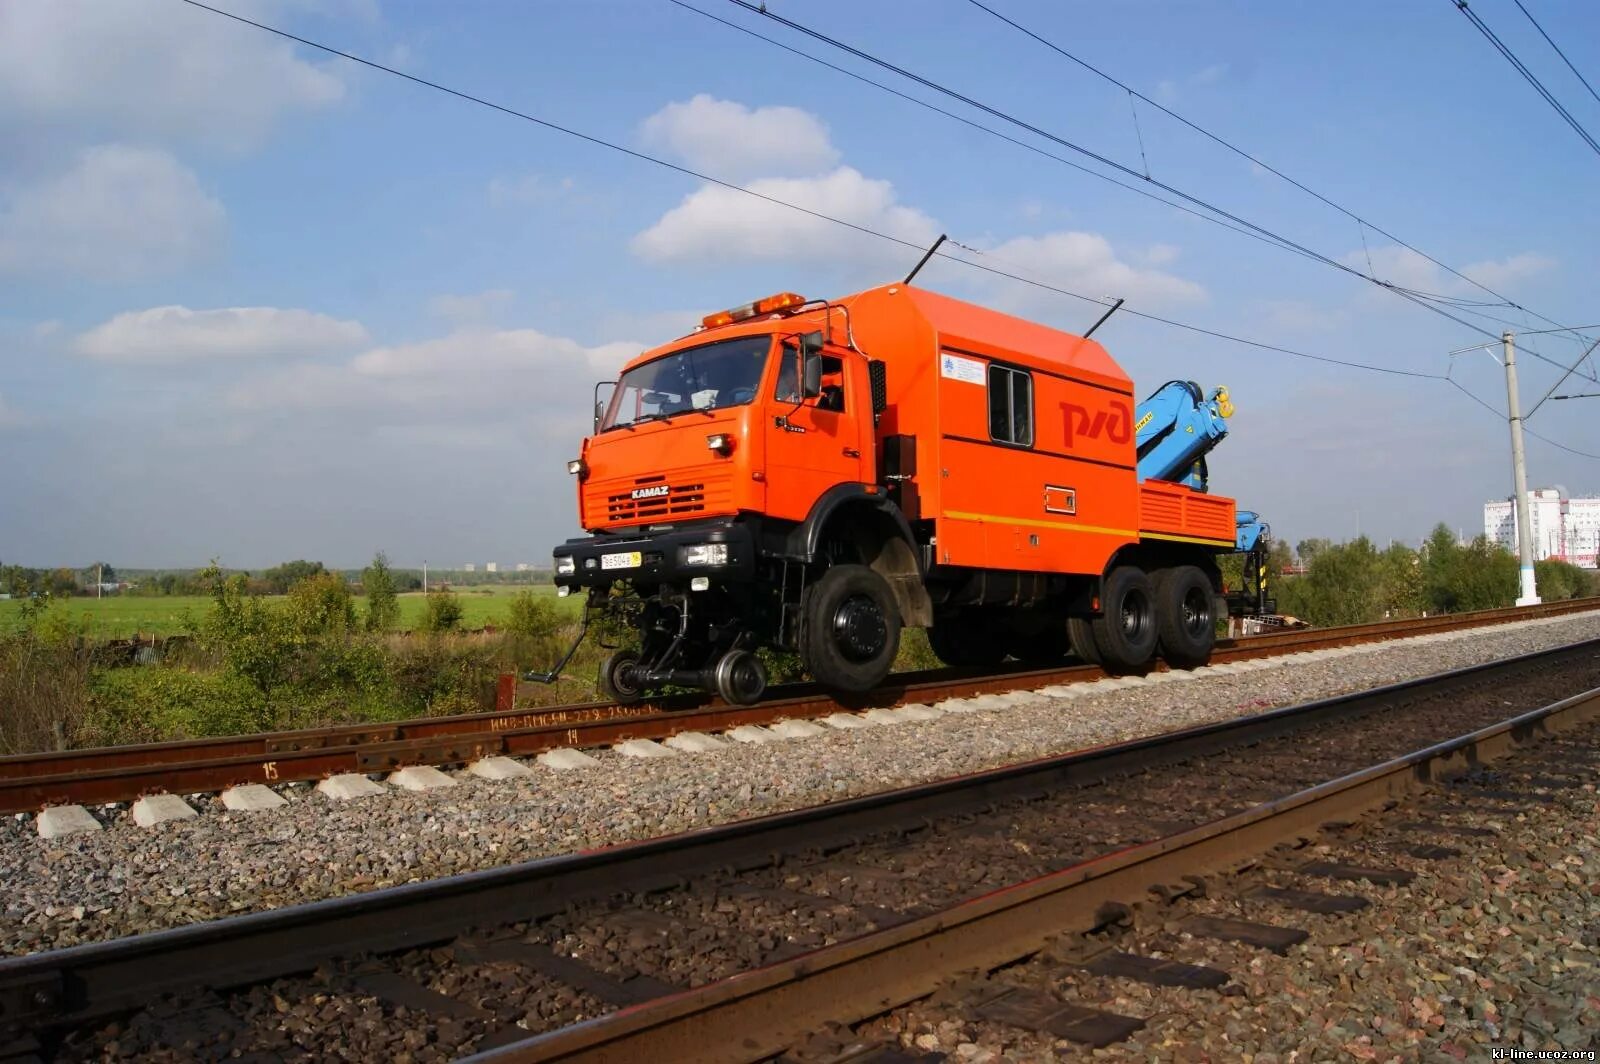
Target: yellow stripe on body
1188, 539
1058, 525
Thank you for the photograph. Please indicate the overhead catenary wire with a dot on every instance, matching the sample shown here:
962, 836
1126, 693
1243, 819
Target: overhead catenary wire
1250, 157
989, 130
1527, 75
1272, 237
1558, 50
778, 202
866, 230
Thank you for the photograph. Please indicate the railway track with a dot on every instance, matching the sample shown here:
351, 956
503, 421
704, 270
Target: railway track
30, 782
740, 941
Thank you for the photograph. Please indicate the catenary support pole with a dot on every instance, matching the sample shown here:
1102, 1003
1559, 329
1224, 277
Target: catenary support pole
1519, 470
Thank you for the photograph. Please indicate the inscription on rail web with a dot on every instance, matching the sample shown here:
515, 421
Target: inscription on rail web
269, 769
546, 718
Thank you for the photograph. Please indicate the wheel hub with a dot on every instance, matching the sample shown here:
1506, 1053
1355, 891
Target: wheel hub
859, 628
1135, 611
1196, 617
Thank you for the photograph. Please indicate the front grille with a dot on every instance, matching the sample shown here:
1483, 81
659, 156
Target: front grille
623, 508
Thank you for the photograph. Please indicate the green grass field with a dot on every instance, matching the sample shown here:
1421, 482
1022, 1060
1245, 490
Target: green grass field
116, 617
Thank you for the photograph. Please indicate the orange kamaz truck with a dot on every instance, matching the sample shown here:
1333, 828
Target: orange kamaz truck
818, 475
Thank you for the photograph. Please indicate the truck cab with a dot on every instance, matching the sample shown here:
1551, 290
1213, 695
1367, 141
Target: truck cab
813, 476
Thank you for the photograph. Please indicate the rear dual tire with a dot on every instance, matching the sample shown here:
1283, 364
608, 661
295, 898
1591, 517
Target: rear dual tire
1126, 631
1186, 606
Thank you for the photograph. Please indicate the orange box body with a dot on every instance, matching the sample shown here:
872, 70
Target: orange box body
1065, 501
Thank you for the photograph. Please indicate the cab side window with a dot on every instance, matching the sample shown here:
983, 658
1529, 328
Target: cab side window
1010, 406
788, 386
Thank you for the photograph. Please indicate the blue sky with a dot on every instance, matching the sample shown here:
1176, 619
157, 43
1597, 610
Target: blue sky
258, 303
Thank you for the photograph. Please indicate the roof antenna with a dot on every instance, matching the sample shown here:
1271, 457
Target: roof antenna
924, 261
1103, 318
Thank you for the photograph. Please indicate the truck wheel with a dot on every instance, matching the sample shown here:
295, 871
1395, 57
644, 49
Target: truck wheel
963, 639
1187, 616
1080, 633
1125, 632
741, 678
616, 677
849, 629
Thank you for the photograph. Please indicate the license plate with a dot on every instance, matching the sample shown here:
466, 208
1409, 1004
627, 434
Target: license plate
631, 560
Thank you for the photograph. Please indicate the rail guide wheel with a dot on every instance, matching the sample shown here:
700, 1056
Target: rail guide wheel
740, 677
617, 681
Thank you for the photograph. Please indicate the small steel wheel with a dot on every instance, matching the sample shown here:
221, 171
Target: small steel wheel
617, 680
740, 677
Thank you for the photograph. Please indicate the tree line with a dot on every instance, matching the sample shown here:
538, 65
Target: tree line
1355, 582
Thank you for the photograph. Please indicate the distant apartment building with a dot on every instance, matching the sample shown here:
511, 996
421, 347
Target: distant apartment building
523, 567
1562, 528
491, 567
470, 567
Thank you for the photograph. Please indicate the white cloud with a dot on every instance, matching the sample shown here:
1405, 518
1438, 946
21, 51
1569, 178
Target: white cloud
514, 373
720, 223
1509, 271
119, 212
1087, 264
168, 335
1408, 269
1162, 254
168, 72
728, 140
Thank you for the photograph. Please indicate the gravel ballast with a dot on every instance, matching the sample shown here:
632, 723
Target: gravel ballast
128, 879
1493, 945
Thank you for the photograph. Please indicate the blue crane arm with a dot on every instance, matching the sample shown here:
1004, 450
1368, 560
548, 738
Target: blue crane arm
1251, 533
1175, 428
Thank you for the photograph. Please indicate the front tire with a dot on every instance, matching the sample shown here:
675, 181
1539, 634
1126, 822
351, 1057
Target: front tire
1187, 615
850, 629
1126, 631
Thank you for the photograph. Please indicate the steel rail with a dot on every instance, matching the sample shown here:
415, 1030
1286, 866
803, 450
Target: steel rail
79, 984
758, 1013
29, 782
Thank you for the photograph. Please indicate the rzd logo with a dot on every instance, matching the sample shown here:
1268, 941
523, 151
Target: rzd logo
1115, 424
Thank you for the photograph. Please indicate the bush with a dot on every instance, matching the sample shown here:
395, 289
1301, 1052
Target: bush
157, 703
44, 693
383, 607
533, 616
320, 604
1561, 580
443, 613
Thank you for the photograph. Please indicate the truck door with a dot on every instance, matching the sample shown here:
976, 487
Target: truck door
815, 443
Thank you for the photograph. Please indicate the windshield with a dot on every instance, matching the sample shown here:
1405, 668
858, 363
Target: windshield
709, 377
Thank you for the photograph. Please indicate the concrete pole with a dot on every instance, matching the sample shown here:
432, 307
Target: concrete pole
1519, 470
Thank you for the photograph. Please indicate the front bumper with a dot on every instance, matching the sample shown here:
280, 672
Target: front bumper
657, 558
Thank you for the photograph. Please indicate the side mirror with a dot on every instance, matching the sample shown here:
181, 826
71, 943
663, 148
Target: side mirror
811, 365
601, 404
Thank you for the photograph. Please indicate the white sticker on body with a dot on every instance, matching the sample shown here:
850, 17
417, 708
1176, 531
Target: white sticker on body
960, 369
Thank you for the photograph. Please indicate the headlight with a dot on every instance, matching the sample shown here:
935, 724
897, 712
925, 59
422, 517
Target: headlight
720, 442
577, 467
566, 566
706, 554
